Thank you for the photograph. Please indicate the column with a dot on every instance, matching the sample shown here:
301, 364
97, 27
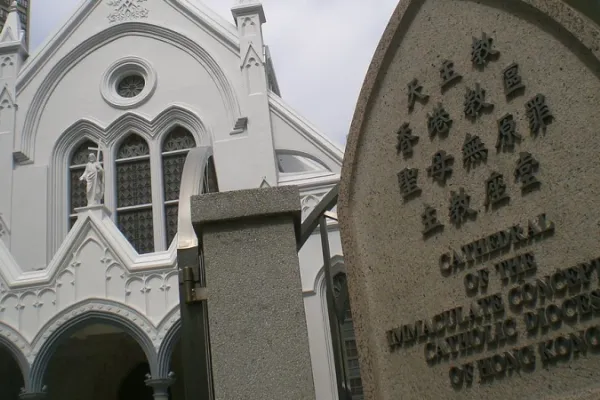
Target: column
257, 324
32, 396
160, 387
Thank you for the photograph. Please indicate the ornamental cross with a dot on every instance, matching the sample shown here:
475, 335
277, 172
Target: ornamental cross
97, 149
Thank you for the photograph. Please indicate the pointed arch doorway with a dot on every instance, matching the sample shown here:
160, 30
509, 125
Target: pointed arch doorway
98, 362
11, 377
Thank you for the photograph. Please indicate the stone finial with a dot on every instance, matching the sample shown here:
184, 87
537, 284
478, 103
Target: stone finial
13, 29
245, 7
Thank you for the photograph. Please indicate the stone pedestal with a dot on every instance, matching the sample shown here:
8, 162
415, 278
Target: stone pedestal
98, 210
258, 334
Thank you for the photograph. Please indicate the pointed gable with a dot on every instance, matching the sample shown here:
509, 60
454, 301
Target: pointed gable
12, 30
293, 132
6, 98
251, 59
93, 224
192, 29
119, 11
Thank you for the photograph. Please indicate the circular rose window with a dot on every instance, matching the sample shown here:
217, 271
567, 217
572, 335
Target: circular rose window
128, 82
131, 86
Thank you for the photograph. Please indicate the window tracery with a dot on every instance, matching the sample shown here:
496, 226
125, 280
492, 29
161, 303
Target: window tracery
340, 284
130, 176
131, 86
134, 193
174, 152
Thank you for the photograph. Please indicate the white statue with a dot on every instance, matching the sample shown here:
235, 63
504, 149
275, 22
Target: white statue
94, 180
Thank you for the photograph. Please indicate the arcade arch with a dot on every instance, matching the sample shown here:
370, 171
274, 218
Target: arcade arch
97, 361
11, 377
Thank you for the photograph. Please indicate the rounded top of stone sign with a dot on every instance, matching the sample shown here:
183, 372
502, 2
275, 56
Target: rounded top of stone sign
469, 203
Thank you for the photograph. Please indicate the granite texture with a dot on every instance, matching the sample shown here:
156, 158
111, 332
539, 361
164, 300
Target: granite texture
228, 206
259, 339
394, 276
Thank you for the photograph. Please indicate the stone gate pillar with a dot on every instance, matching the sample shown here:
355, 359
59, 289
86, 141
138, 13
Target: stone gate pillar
258, 334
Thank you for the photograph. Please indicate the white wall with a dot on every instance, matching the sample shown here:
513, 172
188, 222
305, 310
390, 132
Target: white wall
95, 268
313, 286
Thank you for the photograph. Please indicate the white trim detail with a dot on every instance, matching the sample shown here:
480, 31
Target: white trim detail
80, 314
112, 239
194, 170
124, 10
305, 129
152, 130
18, 347
204, 17
24, 143
119, 70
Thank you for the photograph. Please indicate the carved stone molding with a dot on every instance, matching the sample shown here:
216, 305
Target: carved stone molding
309, 201
4, 228
122, 68
252, 59
151, 129
66, 322
7, 100
24, 395
168, 322
11, 335
105, 307
124, 10
168, 333
25, 138
13, 304
160, 385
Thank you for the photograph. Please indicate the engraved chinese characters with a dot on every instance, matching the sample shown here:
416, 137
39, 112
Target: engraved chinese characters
507, 133
482, 50
479, 106
446, 308
406, 140
538, 113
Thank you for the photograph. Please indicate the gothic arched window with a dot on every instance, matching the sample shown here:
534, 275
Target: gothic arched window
134, 193
79, 159
340, 291
174, 151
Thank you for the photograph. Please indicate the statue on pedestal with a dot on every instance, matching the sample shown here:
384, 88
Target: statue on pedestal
94, 180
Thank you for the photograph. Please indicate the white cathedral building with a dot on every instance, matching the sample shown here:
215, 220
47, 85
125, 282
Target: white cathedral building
89, 300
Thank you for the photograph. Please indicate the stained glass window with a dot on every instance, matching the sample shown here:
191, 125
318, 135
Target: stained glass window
131, 86
130, 174
77, 190
134, 193
174, 151
348, 341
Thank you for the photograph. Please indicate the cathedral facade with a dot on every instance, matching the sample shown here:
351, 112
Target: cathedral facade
89, 304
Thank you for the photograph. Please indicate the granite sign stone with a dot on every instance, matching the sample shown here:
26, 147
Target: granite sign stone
470, 204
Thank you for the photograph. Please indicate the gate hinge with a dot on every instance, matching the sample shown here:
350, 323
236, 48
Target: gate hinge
189, 282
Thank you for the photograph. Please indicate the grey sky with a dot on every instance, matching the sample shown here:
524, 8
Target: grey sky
321, 49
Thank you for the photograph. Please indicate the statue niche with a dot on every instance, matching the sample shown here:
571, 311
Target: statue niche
93, 176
